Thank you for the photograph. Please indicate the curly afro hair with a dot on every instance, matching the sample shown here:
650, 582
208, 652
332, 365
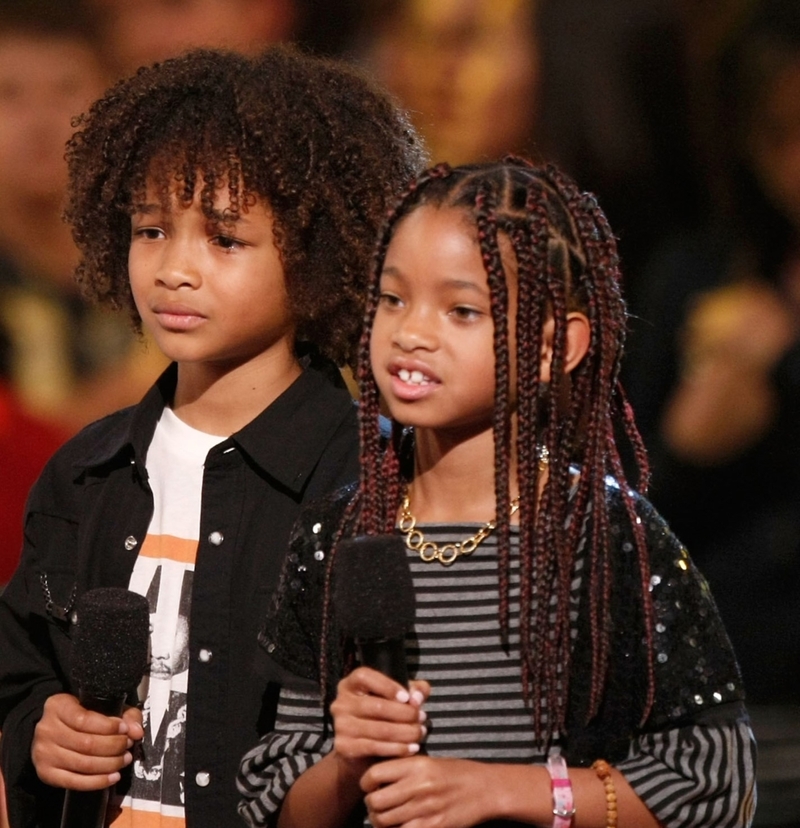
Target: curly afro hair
313, 137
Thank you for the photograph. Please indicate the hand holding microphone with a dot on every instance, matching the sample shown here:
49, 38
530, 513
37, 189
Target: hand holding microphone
82, 744
374, 604
373, 599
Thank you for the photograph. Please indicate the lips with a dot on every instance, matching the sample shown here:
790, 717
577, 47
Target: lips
177, 317
411, 380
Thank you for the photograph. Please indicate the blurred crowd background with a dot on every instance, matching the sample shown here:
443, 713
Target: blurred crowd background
682, 116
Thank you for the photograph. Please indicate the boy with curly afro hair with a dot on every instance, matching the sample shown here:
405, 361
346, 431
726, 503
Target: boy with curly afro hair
230, 205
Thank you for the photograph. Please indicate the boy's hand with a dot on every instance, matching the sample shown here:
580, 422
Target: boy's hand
447, 793
374, 716
79, 749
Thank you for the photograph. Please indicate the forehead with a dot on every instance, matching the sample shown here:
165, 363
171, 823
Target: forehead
444, 238
172, 180
447, 228
169, 190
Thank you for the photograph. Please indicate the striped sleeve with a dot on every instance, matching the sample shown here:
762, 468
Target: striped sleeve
701, 774
268, 770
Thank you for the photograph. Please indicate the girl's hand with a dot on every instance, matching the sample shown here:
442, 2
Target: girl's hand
375, 717
424, 791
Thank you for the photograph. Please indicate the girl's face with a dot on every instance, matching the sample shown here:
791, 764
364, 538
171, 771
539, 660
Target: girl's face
432, 348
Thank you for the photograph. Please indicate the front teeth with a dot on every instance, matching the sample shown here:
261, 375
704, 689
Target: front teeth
413, 377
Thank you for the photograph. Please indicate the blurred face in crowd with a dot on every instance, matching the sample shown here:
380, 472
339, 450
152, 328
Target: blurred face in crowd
44, 82
140, 32
775, 141
468, 72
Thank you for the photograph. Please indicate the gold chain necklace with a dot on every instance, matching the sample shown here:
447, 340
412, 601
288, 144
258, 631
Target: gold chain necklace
446, 554
430, 551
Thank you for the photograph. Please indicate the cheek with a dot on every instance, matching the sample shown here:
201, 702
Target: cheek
377, 340
135, 280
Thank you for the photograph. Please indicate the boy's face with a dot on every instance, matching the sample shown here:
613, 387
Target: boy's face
209, 292
44, 83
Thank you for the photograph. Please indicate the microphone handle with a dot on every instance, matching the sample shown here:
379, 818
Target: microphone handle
87, 809
386, 655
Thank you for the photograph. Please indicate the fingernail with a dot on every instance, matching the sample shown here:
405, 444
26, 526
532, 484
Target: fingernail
424, 731
422, 716
123, 727
128, 758
417, 696
402, 696
113, 778
129, 744
414, 748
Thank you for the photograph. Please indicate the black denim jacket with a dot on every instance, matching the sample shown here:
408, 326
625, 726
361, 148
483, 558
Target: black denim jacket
85, 520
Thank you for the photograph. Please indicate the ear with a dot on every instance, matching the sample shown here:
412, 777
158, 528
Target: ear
579, 333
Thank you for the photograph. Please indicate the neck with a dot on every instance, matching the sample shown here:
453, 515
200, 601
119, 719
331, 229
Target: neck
454, 477
220, 399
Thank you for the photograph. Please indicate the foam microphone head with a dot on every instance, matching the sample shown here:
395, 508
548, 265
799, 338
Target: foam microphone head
109, 654
373, 599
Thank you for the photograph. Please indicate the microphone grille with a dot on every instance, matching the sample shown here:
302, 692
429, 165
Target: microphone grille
109, 654
373, 592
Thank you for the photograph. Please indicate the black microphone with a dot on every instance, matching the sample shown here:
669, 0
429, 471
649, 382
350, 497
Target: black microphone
373, 599
109, 657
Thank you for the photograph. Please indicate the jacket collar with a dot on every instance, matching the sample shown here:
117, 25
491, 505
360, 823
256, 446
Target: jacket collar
285, 441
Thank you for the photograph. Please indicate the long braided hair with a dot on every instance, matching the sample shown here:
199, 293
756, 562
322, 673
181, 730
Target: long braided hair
566, 260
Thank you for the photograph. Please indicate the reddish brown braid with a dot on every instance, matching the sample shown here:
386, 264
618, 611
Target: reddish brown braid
602, 262
486, 221
566, 260
373, 509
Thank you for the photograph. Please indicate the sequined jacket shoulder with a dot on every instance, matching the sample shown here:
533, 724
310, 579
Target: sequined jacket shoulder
696, 672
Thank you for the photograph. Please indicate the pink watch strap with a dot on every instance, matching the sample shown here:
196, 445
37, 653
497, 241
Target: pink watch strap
563, 805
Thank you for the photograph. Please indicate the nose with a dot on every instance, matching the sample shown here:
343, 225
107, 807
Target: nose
178, 266
415, 330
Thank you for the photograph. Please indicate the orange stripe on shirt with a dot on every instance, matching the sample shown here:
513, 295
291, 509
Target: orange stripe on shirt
169, 547
134, 818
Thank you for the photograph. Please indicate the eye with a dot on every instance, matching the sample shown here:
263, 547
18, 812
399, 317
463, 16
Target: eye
466, 313
149, 233
227, 242
389, 300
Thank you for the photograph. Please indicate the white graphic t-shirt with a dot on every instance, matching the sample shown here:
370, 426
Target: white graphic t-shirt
163, 573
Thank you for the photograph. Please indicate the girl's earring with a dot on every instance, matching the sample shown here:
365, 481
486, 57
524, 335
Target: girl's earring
543, 456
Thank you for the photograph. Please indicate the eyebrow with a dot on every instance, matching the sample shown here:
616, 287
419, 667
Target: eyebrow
217, 216
456, 284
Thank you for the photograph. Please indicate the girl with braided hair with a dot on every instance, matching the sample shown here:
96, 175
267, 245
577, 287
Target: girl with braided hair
568, 664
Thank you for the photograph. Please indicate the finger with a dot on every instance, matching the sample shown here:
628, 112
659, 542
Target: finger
366, 680
360, 748
377, 709
75, 741
76, 782
354, 727
420, 691
76, 771
393, 771
68, 710
132, 722
393, 804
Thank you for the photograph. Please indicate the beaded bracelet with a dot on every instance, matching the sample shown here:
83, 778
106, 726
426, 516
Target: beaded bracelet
603, 771
563, 808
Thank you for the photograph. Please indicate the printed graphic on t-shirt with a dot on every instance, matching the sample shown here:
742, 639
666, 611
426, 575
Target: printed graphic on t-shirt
163, 572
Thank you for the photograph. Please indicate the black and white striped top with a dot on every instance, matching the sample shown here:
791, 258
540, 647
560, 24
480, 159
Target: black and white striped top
696, 775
